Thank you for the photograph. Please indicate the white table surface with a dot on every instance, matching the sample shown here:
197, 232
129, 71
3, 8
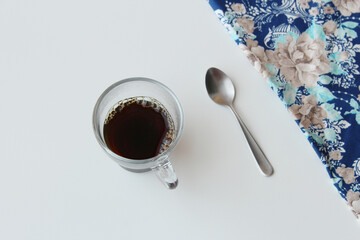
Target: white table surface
56, 58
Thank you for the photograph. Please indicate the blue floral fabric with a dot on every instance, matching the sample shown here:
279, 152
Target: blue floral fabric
308, 51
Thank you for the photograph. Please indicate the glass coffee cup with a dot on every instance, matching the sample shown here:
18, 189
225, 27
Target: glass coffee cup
140, 93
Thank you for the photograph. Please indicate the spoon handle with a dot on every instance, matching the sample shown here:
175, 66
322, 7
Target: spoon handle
258, 154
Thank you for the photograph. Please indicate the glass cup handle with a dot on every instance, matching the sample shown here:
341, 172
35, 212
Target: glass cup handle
165, 172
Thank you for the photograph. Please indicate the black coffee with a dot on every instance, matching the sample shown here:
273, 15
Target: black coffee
138, 128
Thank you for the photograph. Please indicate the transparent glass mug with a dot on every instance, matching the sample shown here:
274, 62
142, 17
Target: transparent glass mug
133, 87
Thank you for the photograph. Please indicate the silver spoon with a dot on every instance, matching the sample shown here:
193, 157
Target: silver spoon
222, 91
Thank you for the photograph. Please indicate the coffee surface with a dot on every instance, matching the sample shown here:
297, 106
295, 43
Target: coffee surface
138, 128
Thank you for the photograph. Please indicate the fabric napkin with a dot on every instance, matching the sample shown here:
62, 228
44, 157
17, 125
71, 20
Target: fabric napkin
309, 52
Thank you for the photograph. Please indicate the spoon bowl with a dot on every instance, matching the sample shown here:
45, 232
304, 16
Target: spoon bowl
219, 86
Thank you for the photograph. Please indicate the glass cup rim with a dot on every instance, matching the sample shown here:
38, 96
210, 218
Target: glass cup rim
129, 160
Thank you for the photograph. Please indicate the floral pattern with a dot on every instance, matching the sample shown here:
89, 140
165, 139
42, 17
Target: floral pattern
309, 51
301, 61
309, 113
347, 7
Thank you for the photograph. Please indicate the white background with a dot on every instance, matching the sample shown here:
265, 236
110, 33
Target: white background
56, 58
